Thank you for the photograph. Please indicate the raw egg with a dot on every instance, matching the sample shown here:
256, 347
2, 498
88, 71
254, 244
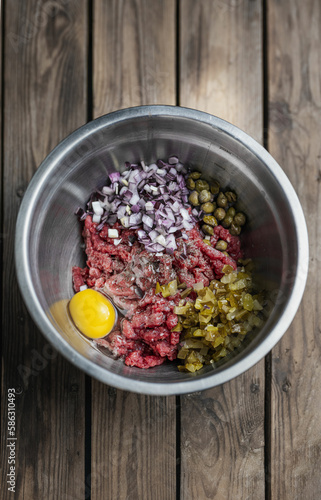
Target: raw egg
93, 314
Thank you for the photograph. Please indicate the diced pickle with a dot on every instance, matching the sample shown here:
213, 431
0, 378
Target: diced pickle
177, 328
248, 302
218, 341
198, 333
194, 367
216, 322
182, 353
229, 278
167, 290
238, 285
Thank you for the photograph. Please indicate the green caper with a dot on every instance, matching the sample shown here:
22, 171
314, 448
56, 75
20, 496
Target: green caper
190, 183
227, 221
210, 220
204, 196
222, 200
215, 187
207, 229
231, 211
195, 175
220, 213
208, 207
231, 196
235, 229
200, 185
239, 219
193, 198
221, 245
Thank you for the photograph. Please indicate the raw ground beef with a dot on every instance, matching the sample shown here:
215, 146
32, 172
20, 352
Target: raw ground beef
128, 274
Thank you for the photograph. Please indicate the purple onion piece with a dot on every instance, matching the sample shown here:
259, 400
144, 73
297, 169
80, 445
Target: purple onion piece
107, 190
135, 219
157, 197
136, 208
100, 226
112, 219
114, 177
173, 160
148, 221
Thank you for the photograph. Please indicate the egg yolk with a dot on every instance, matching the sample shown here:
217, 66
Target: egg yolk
93, 314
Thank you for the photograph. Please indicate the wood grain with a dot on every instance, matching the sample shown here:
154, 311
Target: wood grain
44, 100
134, 54
222, 430
221, 60
295, 117
133, 437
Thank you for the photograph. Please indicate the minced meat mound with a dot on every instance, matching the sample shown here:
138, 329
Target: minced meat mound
128, 274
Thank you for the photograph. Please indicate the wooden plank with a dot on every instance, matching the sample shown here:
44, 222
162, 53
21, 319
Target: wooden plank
294, 123
221, 60
44, 100
133, 437
222, 429
134, 54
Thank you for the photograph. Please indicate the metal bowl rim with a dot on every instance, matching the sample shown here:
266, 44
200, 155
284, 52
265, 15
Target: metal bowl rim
39, 316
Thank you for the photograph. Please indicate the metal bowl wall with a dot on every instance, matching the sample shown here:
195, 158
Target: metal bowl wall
48, 236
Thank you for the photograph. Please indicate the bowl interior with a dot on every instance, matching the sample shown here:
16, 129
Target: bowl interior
82, 162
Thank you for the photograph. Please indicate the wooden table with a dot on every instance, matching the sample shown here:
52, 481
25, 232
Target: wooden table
255, 63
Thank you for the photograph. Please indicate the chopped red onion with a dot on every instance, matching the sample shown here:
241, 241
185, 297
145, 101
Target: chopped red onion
114, 176
136, 208
96, 218
135, 219
134, 199
171, 242
173, 160
154, 247
125, 174
161, 240
148, 221
185, 214
112, 219
153, 234
107, 190
121, 211
113, 233
152, 199
125, 221
141, 234
97, 208
149, 207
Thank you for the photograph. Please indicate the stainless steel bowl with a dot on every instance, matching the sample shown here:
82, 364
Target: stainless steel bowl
48, 239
